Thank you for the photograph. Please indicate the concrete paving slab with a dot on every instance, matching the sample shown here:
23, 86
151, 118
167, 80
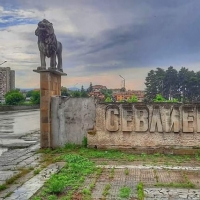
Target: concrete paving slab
29, 188
15, 143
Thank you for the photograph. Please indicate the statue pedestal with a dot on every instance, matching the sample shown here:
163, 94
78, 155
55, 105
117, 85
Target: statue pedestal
50, 84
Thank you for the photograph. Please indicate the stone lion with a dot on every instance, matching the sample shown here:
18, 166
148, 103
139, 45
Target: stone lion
48, 45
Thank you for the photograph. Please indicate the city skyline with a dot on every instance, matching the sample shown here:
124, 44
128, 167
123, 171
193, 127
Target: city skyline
102, 39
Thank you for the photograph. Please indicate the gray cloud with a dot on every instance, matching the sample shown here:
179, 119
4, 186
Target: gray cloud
115, 34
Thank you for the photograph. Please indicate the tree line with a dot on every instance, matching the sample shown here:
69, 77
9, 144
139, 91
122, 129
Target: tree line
182, 85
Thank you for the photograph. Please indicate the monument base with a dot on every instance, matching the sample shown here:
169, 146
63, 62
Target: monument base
50, 85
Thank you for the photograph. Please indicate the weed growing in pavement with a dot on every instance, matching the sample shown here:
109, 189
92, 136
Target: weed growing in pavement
124, 192
36, 198
112, 172
86, 193
8, 194
23, 172
176, 185
106, 190
71, 176
140, 191
3, 187
126, 172
36, 171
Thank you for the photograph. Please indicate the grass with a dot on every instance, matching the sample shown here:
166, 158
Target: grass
140, 191
112, 172
79, 165
176, 185
124, 192
22, 173
3, 187
126, 172
106, 190
36, 171
71, 177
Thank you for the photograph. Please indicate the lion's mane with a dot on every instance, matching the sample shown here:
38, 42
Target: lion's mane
47, 41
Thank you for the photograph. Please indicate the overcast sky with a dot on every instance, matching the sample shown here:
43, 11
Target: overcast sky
102, 39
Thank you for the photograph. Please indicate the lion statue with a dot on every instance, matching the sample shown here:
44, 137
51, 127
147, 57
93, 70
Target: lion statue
48, 45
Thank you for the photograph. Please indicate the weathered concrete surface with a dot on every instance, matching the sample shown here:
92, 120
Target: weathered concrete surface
13, 160
29, 188
130, 175
139, 125
13, 143
14, 124
71, 119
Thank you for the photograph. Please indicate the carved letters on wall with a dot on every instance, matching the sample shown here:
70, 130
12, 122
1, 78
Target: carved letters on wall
141, 118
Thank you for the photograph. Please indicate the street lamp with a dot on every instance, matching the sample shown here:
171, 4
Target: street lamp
3, 62
123, 81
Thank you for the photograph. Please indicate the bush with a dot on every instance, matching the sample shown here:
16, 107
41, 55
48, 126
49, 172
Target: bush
108, 99
132, 99
14, 98
35, 98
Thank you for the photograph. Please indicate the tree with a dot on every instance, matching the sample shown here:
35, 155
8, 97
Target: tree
14, 97
90, 88
64, 91
35, 98
83, 92
107, 92
76, 93
29, 93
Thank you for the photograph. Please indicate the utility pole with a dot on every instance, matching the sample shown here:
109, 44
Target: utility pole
123, 81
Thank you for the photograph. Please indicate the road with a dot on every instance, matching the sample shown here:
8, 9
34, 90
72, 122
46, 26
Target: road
18, 122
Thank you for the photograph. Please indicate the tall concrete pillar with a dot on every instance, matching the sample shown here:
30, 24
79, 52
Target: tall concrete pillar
50, 85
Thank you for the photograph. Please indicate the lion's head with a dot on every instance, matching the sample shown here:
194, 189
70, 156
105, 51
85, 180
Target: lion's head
47, 42
44, 30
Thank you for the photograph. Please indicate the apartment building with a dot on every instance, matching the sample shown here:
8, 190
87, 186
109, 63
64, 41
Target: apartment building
7, 81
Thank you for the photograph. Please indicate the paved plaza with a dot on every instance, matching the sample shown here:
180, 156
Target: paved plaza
129, 175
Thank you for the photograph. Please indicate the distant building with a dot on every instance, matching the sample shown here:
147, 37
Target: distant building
7, 80
96, 92
120, 96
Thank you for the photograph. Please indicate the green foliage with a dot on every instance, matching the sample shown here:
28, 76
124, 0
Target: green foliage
35, 98
14, 97
3, 187
84, 142
83, 92
182, 85
64, 91
176, 185
108, 100
107, 93
106, 190
71, 176
159, 98
90, 88
140, 191
36, 171
132, 99
29, 93
76, 93
125, 192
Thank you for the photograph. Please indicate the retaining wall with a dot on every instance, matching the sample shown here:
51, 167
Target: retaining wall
18, 107
125, 125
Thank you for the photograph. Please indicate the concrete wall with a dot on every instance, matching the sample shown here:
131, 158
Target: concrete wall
120, 125
71, 119
146, 126
19, 107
